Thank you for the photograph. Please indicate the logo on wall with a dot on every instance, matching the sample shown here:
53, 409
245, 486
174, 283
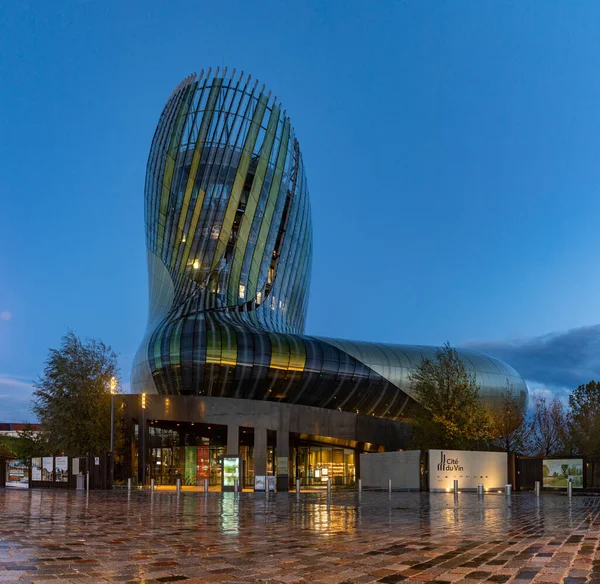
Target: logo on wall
449, 464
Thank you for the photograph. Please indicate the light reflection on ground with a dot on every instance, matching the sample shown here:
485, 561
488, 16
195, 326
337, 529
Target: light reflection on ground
248, 537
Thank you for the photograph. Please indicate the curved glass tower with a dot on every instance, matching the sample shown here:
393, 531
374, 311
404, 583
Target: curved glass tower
229, 244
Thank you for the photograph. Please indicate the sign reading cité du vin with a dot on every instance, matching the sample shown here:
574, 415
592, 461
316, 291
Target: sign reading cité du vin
469, 468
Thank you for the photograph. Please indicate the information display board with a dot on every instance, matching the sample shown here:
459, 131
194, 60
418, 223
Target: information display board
36, 469
17, 474
231, 472
61, 469
47, 468
556, 473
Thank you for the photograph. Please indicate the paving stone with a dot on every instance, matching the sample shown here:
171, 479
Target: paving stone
115, 536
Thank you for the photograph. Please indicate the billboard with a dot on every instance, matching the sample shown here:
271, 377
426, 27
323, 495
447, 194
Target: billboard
468, 467
556, 473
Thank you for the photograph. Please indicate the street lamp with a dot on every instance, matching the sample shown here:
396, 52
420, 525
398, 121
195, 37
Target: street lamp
113, 390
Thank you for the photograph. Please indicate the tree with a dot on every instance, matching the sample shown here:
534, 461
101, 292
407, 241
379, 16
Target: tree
72, 396
548, 427
584, 418
511, 433
452, 414
30, 443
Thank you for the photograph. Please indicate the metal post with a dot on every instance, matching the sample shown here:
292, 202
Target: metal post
360, 485
178, 484
508, 490
297, 486
206, 485
129, 484
143, 443
87, 481
235, 485
480, 489
570, 488
455, 486
389, 485
152, 484
328, 488
537, 488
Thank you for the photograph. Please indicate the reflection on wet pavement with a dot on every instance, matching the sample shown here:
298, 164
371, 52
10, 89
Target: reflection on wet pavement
403, 537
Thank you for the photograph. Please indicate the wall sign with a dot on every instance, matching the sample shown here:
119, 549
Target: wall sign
468, 467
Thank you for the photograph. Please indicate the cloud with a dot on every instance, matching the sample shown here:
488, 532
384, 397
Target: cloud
15, 399
5, 315
558, 361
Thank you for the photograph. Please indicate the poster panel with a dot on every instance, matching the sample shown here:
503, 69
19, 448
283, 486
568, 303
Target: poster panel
556, 473
468, 467
61, 469
18, 474
47, 468
259, 482
190, 466
203, 464
271, 483
231, 471
75, 466
36, 469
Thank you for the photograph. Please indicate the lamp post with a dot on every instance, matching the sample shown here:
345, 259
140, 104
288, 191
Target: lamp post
113, 390
142, 429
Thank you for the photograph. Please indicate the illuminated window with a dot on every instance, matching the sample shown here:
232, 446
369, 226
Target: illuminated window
242, 291
196, 264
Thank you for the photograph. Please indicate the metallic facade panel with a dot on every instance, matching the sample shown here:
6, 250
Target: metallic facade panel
229, 239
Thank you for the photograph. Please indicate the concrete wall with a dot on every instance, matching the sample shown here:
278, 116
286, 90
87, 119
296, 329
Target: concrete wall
402, 467
468, 467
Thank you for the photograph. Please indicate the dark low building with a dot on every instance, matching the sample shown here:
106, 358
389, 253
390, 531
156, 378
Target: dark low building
225, 364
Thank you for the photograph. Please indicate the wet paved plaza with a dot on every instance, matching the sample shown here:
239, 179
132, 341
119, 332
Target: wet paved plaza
191, 537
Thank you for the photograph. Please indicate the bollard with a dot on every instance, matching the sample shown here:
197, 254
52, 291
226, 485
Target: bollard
389, 485
178, 485
537, 488
455, 487
297, 486
480, 489
87, 481
235, 485
129, 484
360, 485
206, 485
329, 488
508, 490
152, 484
570, 488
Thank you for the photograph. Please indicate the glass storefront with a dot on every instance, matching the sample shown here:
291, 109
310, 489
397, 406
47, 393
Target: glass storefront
185, 453
314, 464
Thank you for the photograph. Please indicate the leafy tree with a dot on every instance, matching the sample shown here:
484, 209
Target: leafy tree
584, 418
72, 396
511, 433
30, 443
452, 413
6, 451
548, 427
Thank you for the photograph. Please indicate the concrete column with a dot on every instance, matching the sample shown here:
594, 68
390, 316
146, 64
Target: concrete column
260, 452
283, 460
233, 439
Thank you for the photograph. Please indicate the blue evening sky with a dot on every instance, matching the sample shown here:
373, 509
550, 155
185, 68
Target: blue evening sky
451, 150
